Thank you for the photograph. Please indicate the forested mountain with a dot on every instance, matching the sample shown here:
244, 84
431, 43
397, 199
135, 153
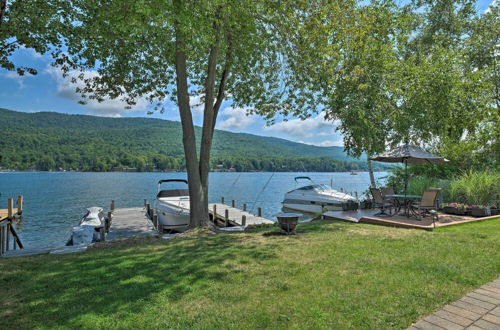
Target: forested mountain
52, 141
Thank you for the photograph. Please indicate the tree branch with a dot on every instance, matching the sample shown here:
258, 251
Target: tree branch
208, 112
221, 95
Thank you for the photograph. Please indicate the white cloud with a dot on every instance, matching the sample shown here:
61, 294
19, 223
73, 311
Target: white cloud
196, 103
492, 4
314, 126
237, 118
329, 143
107, 108
32, 53
17, 78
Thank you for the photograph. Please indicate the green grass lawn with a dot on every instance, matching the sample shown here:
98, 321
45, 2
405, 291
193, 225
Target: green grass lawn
333, 275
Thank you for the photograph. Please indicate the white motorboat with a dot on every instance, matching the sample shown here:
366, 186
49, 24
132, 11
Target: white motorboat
172, 207
315, 198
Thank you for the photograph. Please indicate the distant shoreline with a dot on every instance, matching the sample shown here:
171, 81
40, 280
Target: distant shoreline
29, 171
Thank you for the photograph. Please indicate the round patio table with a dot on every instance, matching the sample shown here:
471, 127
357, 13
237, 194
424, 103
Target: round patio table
406, 201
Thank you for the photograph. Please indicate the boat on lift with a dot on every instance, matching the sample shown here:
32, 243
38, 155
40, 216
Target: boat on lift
172, 207
315, 198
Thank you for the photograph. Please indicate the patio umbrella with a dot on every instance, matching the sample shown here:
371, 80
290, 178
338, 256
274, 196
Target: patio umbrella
408, 154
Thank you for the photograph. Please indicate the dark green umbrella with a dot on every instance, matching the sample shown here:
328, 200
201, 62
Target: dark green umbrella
408, 154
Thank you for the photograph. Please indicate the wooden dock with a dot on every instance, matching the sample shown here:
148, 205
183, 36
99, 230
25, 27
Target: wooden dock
10, 212
128, 222
229, 215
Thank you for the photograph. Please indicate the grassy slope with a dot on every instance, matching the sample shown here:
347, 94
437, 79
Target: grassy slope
335, 275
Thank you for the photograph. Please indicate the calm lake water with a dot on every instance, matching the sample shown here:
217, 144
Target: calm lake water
55, 201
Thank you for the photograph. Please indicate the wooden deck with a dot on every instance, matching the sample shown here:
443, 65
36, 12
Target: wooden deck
3, 214
368, 216
235, 215
480, 309
128, 222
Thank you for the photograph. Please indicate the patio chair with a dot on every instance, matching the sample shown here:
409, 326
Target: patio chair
387, 191
380, 202
428, 203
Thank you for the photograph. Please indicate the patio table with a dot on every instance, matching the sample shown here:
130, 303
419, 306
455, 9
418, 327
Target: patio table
406, 201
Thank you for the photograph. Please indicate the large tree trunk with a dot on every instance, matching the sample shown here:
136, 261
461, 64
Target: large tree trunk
370, 172
198, 170
197, 194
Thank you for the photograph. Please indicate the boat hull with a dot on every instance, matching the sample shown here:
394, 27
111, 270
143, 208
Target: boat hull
173, 216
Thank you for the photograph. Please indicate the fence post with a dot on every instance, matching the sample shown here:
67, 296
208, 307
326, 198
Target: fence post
244, 206
112, 205
232, 203
20, 204
243, 220
259, 212
226, 217
222, 200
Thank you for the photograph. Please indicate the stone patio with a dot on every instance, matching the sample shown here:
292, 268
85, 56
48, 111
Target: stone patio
478, 310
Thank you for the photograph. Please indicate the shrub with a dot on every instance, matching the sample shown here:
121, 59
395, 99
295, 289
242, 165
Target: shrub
476, 188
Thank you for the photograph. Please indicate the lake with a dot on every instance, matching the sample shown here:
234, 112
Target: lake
55, 201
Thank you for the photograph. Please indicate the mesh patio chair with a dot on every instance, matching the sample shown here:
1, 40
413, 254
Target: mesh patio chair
428, 203
380, 202
387, 191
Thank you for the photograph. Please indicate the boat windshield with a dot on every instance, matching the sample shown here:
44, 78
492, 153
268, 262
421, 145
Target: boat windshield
315, 186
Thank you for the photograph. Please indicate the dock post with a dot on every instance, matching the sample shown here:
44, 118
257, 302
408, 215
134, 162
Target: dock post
148, 210
108, 221
10, 208
145, 202
155, 221
222, 200
159, 227
214, 217
259, 212
244, 206
356, 193
20, 204
226, 217
102, 235
112, 205
243, 220
232, 203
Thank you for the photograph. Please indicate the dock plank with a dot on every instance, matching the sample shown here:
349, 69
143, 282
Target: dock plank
3, 214
128, 222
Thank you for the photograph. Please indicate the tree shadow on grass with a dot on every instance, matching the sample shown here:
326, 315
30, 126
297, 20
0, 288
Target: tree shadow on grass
52, 291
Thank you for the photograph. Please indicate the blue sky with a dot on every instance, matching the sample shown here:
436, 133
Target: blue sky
49, 91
